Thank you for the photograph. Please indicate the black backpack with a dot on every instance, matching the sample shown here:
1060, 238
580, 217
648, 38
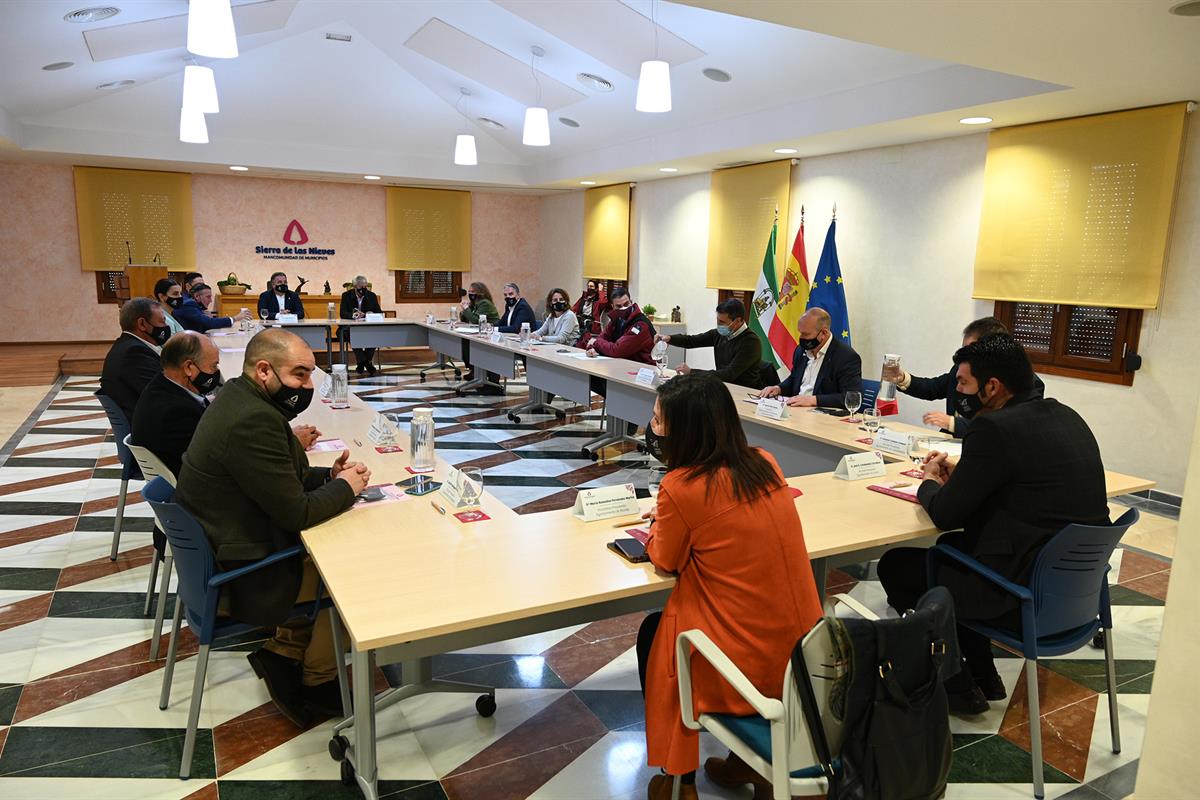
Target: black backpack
890, 701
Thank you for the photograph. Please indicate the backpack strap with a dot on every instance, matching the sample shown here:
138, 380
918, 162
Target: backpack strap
812, 718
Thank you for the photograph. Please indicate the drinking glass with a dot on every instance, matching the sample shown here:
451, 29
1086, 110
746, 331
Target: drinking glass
870, 418
471, 488
853, 400
918, 448
659, 354
654, 481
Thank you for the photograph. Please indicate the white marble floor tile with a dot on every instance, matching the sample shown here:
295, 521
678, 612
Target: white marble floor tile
91, 545
51, 552
1010, 670
9, 596
18, 646
13, 522
67, 641
513, 496
534, 643
620, 673
1004, 791
73, 492
1131, 713
1136, 631
130, 580
539, 467
97, 789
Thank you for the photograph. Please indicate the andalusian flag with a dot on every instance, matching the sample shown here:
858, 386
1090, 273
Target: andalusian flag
763, 318
793, 295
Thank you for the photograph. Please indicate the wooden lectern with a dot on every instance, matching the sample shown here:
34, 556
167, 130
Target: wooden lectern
142, 278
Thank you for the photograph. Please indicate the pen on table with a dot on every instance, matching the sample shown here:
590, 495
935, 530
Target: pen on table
628, 522
357, 442
440, 510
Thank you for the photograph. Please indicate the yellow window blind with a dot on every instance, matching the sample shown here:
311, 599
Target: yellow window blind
428, 229
1077, 211
152, 211
606, 232
741, 212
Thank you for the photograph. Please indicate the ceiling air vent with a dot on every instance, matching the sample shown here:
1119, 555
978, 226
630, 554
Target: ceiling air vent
338, 37
94, 14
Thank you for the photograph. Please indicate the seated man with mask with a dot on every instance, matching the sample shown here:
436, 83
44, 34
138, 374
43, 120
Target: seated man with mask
823, 369
516, 311
169, 409
132, 361
356, 304
278, 299
246, 479
737, 350
193, 313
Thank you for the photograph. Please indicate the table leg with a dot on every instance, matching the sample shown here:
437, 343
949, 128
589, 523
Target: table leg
818, 570
365, 771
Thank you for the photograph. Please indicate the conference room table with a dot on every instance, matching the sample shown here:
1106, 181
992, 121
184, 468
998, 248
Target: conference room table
409, 580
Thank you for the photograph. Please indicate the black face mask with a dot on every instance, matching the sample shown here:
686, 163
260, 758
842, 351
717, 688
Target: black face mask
809, 344
175, 302
559, 306
509, 302
205, 382
160, 334
591, 292
362, 290
972, 404
291, 400
281, 288
472, 298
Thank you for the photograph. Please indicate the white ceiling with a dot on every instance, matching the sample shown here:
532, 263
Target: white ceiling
295, 103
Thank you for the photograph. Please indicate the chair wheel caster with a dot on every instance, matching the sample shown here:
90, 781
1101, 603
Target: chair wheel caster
560, 414
515, 419
1098, 640
337, 748
586, 453
485, 705
594, 456
348, 774
457, 375
422, 379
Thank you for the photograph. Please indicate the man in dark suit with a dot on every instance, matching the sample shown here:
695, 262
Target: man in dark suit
169, 409
132, 361
356, 304
279, 299
1029, 468
193, 313
516, 311
823, 369
246, 479
959, 411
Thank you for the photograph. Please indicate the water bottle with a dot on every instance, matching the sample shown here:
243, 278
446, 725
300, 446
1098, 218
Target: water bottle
339, 394
453, 318
330, 311
887, 389
525, 335
244, 322
420, 439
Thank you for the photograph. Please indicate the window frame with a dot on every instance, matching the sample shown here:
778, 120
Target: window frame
1058, 362
428, 296
117, 297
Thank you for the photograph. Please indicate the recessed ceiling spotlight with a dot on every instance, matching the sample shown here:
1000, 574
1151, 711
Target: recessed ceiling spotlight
594, 82
57, 65
786, 151
488, 122
94, 14
370, 177
116, 84
587, 183
975, 120
1188, 9
570, 123
718, 75
667, 169
338, 37
240, 169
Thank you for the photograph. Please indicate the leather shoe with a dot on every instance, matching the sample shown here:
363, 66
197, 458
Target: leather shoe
970, 702
992, 687
660, 789
282, 676
371, 369
733, 773
324, 699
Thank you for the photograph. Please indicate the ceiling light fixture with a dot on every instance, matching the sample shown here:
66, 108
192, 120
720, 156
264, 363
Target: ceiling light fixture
718, 75
536, 132
240, 169
594, 82
210, 29
370, 177
57, 65
200, 89
587, 183
338, 37
464, 143
654, 80
570, 123
1188, 9
488, 122
94, 14
192, 128
668, 169
786, 151
975, 120
116, 84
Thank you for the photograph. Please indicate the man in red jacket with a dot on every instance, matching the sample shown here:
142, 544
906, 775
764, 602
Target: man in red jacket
629, 333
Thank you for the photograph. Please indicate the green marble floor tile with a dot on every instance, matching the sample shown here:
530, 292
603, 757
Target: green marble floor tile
103, 605
1124, 596
10, 693
1091, 672
28, 578
48, 752
994, 759
326, 790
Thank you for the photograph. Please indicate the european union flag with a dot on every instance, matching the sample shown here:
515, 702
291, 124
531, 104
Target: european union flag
827, 290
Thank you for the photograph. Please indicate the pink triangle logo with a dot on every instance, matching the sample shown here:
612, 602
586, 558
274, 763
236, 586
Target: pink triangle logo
295, 233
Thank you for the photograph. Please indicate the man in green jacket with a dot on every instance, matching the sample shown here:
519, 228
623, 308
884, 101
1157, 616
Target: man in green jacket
246, 480
737, 350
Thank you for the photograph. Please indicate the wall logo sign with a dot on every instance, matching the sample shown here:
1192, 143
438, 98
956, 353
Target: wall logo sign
294, 235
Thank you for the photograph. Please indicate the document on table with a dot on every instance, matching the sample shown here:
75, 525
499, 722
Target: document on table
586, 357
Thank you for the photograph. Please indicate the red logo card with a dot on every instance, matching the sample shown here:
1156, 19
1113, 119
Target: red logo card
641, 534
795, 492
471, 516
391, 448
418, 471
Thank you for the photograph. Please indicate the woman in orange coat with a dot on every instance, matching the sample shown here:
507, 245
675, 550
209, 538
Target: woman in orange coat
726, 524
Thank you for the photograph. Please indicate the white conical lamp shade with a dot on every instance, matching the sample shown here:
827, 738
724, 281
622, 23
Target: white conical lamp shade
537, 127
192, 128
210, 29
654, 87
200, 89
464, 150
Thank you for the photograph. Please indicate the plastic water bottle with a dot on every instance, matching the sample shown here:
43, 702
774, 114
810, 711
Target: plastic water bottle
525, 335
887, 389
339, 394
420, 439
330, 311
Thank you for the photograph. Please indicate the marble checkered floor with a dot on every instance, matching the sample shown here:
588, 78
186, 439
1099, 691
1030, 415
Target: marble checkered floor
78, 697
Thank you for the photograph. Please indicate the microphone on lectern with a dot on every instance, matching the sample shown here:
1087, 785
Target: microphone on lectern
128, 253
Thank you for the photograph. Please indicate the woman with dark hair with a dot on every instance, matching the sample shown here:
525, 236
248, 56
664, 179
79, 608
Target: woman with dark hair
726, 524
561, 325
478, 303
169, 294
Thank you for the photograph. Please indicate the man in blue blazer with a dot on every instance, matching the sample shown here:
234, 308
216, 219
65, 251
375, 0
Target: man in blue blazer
279, 298
193, 314
516, 311
823, 369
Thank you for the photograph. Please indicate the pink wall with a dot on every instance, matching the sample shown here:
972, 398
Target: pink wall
39, 248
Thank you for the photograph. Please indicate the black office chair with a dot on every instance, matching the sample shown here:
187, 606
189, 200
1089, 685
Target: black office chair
769, 374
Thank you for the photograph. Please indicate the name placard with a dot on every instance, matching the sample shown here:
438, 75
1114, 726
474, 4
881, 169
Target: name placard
460, 492
606, 502
890, 441
286, 318
856, 466
496, 338
375, 316
772, 408
646, 376
381, 431
326, 386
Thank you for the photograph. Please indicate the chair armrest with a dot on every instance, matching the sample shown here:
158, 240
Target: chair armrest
225, 577
766, 707
1022, 593
851, 603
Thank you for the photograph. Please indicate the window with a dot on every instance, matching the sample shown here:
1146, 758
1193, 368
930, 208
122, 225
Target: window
423, 286
1089, 342
745, 295
606, 287
112, 287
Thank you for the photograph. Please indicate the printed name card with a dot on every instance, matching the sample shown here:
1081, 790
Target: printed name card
286, 318
381, 431
772, 408
646, 376
375, 316
606, 502
496, 338
460, 491
856, 466
326, 386
891, 442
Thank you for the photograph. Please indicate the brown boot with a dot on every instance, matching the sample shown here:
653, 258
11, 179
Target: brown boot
660, 789
732, 773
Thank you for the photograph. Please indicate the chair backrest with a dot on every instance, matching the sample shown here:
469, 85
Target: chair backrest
150, 464
120, 429
821, 658
870, 390
768, 374
1070, 574
194, 561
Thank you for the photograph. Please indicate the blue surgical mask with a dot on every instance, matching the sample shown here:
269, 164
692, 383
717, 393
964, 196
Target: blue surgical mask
724, 330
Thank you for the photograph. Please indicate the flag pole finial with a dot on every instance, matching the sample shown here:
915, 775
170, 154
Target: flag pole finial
776, 212
801, 214
835, 211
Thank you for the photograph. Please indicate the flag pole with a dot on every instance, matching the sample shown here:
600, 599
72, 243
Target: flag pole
801, 214
835, 211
